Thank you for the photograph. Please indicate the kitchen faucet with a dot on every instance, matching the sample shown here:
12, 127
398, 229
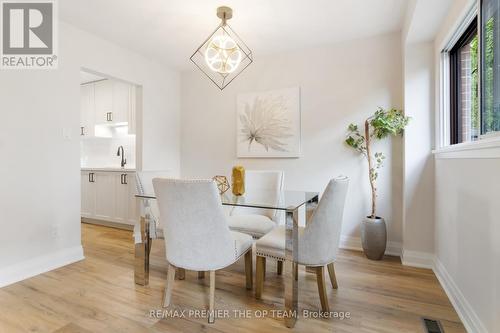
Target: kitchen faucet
124, 160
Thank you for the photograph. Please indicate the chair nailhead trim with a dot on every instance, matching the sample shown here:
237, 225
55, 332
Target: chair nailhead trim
270, 256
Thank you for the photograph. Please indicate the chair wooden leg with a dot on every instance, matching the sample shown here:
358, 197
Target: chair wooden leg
211, 315
249, 269
169, 286
296, 271
201, 274
333, 277
320, 277
279, 268
259, 276
181, 273
264, 275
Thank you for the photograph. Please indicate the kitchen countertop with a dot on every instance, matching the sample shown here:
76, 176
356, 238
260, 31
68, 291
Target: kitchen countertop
110, 169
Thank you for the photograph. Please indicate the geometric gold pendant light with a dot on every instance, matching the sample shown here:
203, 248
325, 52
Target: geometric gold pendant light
223, 55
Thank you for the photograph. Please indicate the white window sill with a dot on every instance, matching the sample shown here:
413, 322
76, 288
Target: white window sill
484, 148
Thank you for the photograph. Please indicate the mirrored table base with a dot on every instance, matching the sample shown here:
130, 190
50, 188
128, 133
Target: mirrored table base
142, 252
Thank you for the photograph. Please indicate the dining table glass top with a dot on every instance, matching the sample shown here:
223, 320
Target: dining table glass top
285, 200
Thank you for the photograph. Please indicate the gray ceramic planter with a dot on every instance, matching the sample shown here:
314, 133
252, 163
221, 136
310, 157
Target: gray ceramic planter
373, 237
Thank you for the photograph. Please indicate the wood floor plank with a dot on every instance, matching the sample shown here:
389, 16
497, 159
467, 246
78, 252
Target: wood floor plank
72, 328
98, 294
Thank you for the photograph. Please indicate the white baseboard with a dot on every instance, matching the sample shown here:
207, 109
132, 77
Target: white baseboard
354, 243
417, 259
464, 310
408, 258
38, 265
123, 226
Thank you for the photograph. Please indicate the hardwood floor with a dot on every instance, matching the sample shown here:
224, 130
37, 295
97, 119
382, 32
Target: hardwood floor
98, 294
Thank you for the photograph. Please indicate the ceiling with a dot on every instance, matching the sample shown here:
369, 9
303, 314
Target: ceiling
427, 18
170, 30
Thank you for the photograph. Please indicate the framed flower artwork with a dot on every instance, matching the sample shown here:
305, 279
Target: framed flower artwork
268, 124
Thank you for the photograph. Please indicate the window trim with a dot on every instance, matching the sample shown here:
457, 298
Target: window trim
455, 123
442, 135
488, 148
485, 147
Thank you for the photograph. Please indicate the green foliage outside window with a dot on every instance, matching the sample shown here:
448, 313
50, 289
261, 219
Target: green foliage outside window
491, 107
475, 118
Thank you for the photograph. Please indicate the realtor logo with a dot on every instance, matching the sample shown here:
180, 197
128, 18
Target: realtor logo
28, 35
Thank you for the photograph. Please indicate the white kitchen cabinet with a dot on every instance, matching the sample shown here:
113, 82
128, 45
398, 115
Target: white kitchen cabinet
135, 100
109, 196
113, 102
103, 92
121, 102
87, 110
88, 195
133, 202
105, 195
126, 204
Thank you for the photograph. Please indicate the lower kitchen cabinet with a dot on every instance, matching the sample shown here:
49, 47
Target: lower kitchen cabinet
88, 195
105, 197
126, 202
109, 196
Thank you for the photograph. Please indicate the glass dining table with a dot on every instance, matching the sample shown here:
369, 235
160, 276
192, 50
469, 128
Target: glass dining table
288, 202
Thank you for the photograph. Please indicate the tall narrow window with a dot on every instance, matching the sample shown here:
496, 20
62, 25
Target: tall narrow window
464, 106
490, 67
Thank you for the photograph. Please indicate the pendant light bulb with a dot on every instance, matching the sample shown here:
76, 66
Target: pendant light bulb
222, 54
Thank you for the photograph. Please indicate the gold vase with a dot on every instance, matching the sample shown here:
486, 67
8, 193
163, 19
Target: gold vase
238, 180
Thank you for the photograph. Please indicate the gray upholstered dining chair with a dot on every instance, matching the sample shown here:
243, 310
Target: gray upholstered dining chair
318, 241
257, 222
254, 221
144, 185
197, 236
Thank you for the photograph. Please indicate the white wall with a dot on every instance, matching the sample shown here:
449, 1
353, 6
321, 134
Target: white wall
40, 191
468, 236
340, 84
421, 24
418, 211
467, 230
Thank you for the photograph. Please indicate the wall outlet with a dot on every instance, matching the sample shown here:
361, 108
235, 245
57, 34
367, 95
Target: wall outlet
66, 133
54, 231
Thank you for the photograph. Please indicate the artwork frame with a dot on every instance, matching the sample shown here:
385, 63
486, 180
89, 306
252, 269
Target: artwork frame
268, 124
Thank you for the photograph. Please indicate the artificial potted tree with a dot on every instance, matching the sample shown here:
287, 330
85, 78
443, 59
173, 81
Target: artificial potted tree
382, 124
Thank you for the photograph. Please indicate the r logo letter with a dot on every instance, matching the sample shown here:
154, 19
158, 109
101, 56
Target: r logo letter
16, 28
27, 27
35, 21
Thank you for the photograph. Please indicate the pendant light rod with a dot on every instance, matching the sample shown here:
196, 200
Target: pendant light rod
224, 13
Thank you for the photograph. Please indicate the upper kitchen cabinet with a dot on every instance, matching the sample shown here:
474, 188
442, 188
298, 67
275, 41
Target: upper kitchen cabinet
121, 102
107, 102
87, 110
103, 101
135, 104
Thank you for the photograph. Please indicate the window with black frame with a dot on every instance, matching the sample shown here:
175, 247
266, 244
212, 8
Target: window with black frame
475, 78
464, 106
